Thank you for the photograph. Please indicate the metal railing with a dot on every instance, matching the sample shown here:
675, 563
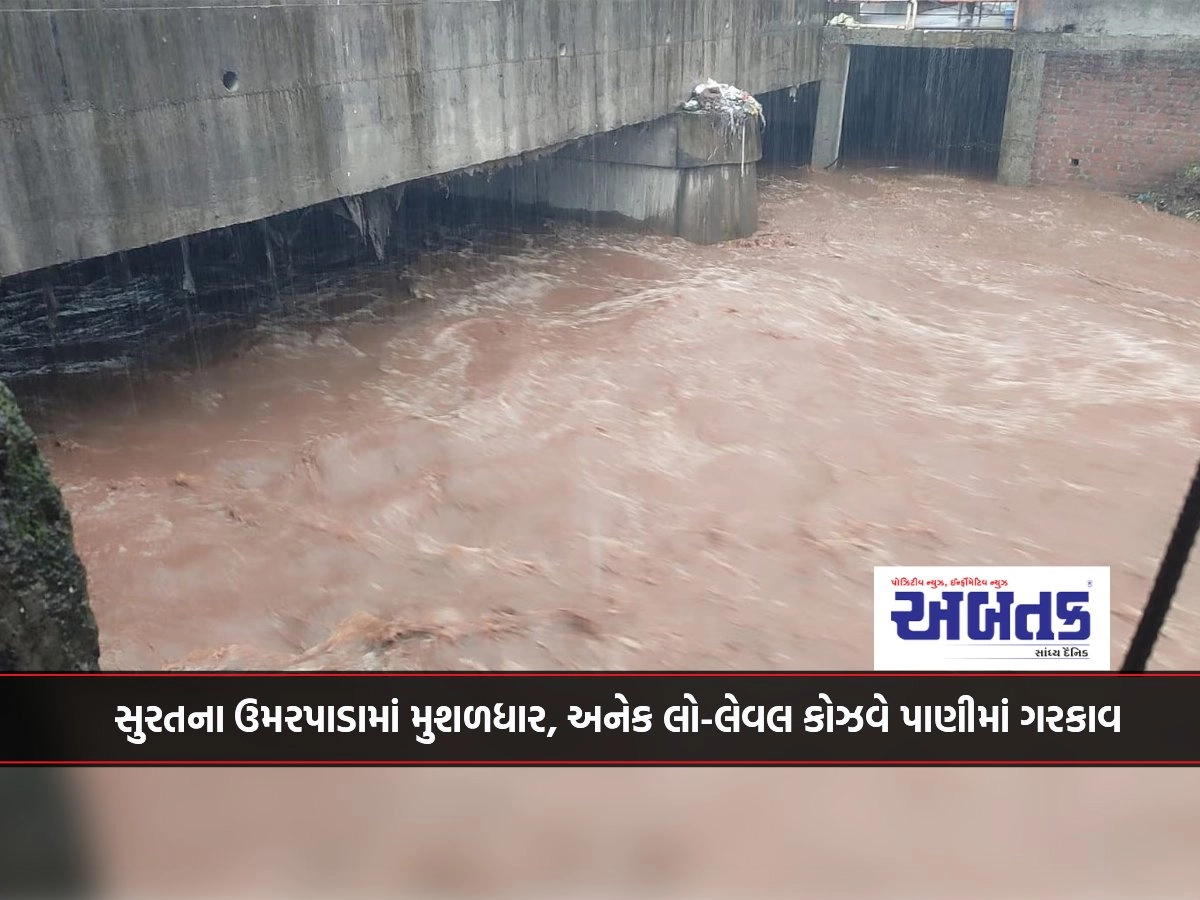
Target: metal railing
991, 15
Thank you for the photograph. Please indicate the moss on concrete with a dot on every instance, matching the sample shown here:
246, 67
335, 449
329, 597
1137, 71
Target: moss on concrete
46, 622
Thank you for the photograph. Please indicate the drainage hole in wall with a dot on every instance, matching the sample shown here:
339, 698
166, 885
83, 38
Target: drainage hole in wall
230, 80
1068, 29
1074, 161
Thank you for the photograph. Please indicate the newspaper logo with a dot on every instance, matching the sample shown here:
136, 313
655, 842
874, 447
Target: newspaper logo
1024, 618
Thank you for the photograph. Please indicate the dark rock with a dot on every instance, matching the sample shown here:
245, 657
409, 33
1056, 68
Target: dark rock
46, 622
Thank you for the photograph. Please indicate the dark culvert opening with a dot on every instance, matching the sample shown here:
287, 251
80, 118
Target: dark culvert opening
933, 109
791, 122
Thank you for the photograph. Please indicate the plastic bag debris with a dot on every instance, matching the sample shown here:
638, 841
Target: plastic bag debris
734, 107
732, 101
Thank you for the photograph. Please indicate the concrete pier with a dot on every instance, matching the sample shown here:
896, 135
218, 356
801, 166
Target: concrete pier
1021, 118
831, 107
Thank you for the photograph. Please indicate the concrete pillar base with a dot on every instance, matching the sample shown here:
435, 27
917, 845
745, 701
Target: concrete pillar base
717, 203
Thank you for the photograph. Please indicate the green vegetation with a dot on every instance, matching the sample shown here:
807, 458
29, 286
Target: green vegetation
1179, 196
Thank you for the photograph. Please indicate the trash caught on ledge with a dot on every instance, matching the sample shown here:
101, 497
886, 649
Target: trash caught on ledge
711, 96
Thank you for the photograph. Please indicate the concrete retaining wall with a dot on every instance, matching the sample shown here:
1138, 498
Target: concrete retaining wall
129, 122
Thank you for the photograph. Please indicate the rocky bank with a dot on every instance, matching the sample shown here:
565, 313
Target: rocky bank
46, 622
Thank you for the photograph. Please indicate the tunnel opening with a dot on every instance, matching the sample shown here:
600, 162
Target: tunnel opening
791, 117
934, 109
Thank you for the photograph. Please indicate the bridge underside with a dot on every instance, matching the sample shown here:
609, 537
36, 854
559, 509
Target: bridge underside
124, 125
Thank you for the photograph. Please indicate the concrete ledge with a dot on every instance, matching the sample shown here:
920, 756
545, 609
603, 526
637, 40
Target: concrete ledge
1105, 43
939, 38
866, 36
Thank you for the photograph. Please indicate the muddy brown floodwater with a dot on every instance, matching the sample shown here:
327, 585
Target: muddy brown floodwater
604, 450
596, 449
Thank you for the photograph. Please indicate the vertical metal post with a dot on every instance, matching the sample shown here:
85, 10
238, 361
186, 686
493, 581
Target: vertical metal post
1169, 572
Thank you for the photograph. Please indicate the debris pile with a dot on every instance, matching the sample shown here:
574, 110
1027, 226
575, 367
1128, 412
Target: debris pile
732, 101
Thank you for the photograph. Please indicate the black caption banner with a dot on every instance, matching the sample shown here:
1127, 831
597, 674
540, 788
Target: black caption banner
676, 719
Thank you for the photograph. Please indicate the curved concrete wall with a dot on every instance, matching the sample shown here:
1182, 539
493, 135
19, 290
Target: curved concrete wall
119, 126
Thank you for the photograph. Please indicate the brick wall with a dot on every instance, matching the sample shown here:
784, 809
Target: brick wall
1117, 121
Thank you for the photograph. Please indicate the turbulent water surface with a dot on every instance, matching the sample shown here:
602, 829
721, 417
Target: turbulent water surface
595, 449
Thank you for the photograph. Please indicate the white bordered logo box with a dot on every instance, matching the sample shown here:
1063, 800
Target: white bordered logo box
987, 618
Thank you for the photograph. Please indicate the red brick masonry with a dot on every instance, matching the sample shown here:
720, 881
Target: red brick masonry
1128, 118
